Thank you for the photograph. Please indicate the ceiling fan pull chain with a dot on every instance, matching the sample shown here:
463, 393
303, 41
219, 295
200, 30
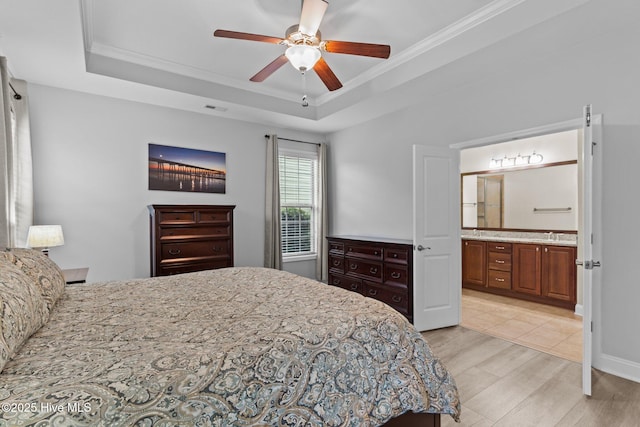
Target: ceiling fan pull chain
305, 103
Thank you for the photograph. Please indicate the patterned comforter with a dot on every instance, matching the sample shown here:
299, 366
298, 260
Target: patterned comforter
230, 347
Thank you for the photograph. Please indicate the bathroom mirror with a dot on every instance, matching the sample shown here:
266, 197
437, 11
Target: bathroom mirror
542, 197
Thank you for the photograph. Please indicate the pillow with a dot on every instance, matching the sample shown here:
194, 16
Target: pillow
45, 273
22, 309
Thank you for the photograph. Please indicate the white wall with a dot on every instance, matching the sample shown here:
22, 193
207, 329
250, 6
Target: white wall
90, 173
370, 164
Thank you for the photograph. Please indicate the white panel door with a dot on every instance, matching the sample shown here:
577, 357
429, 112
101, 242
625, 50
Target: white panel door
591, 244
436, 237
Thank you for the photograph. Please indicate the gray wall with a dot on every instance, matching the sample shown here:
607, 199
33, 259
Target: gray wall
560, 68
90, 176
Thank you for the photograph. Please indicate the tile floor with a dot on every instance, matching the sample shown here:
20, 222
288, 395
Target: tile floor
545, 328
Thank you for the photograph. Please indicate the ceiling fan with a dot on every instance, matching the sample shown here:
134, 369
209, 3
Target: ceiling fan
305, 46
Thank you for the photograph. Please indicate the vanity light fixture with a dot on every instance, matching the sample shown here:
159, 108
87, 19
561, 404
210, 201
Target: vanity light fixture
519, 160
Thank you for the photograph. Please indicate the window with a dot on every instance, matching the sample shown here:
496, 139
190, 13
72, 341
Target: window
298, 200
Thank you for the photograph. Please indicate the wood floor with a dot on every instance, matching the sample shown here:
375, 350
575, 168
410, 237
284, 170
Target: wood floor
554, 330
505, 384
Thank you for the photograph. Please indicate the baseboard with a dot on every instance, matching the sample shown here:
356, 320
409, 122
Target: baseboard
619, 367
579, 311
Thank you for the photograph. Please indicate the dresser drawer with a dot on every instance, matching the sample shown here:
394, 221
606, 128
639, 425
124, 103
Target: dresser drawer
170, 233
336, 248
336, 264
345, 282
499, 247
177, 217
210, 216
397, 298
366, 269
394, 255
499, 279
500, 261
210, 248
364, 251
189, 267
396, 274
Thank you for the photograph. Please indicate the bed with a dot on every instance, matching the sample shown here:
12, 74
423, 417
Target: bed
231, 347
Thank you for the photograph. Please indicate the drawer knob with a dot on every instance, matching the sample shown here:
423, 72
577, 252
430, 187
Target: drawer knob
336, 281
354, 286
499, 279
499, 261
373, 292
353, 266
375, 252
500, 247
174, 251
396, 298
336, 262
373, 270
395, 275
395, 255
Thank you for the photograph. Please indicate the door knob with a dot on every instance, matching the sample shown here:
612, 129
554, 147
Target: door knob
422, 248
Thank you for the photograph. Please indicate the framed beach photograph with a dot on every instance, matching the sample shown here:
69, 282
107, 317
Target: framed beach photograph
186, 169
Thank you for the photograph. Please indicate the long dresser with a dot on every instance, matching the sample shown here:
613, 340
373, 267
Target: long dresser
187, 238
544, 273
379, 269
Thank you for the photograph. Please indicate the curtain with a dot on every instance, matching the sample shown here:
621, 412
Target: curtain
321, 223
272, 242
16, 175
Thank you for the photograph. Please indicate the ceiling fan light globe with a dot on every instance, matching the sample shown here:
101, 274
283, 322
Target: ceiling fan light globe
302, 57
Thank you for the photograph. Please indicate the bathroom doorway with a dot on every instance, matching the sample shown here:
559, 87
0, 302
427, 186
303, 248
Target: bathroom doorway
526, 193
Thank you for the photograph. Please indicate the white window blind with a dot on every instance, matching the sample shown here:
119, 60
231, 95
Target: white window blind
298, 196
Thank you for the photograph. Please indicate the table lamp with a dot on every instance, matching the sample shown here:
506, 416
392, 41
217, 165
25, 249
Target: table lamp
44, 237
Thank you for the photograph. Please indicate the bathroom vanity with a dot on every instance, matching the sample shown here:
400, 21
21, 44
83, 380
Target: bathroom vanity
535, 269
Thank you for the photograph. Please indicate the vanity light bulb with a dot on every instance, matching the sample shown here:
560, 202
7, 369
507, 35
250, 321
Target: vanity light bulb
535, 158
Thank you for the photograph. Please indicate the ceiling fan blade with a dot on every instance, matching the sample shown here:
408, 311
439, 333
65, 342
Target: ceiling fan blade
247, 36
311, 16
362, 49
269, 69
326, 75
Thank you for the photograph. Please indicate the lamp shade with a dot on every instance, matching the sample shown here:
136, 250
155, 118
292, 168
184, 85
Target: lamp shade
302, 57
45, 236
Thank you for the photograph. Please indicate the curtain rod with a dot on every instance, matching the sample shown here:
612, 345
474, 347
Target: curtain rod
295, 140
16, 95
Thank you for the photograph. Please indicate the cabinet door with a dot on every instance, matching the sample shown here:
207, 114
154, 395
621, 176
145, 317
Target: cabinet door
559, 273
474, 263
527, 269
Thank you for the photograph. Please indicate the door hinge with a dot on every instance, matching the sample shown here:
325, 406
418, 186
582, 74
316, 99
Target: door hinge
593, 146
588, 115
591, 326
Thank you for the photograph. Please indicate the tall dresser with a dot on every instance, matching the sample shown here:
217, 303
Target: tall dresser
186, 238
376, 268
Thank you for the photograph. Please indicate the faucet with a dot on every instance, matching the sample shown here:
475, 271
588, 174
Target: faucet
549, 235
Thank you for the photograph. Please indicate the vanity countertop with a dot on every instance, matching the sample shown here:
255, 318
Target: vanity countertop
535, 240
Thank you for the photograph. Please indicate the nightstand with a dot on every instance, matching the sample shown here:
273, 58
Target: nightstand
75, 275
